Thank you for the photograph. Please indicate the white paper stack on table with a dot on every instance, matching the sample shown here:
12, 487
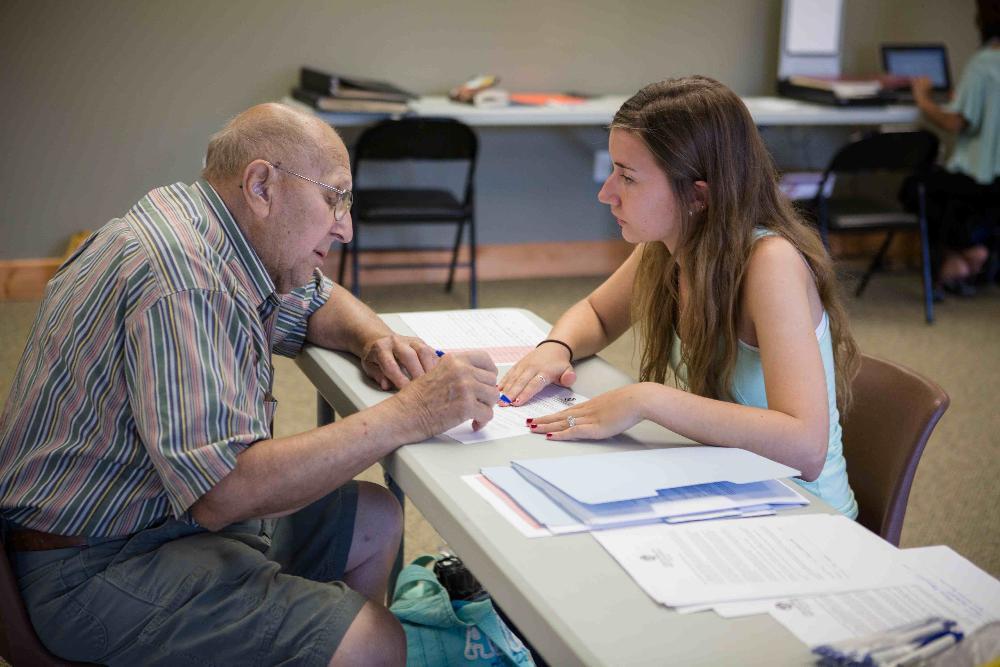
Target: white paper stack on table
674, 485
945, 585
729, 561
838, 581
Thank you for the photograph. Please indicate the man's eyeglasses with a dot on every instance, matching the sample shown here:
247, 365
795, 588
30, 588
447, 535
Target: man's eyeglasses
344, 199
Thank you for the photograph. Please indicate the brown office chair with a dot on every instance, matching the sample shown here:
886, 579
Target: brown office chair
19, 645
893, 414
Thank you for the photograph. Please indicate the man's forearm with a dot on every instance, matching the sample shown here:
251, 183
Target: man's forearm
274, 477
345, 323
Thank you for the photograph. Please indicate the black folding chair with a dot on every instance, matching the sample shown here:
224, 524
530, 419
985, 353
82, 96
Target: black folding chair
906, 153
415, 140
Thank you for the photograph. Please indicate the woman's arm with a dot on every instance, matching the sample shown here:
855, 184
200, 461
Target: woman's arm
587, 328
794, 430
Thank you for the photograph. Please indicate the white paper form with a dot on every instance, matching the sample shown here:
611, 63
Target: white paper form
947, 585
750, 559
509, 421
505, 333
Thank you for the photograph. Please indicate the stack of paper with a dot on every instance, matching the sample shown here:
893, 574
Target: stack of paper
944, 584
729, 561
674, 485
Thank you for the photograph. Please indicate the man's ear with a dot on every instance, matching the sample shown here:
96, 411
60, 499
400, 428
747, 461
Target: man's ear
258, 179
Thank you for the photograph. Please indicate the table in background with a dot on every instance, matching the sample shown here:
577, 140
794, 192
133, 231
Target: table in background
565, 594
766, 111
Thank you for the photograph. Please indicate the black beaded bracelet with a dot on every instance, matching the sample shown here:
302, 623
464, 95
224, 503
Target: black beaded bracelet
559, 342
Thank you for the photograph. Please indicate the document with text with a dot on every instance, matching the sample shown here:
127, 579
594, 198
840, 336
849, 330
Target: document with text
748, 559
946, 585
510, 421
506, 334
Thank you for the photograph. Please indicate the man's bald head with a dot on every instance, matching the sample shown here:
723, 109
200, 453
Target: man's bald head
276, 133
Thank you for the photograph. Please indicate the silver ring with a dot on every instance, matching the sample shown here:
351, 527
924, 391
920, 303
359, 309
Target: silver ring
571, 420
542, 378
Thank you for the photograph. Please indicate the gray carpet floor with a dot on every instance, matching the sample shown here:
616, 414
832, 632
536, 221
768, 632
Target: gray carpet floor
955, 498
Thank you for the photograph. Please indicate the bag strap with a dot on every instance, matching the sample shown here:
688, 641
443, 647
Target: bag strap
414, 573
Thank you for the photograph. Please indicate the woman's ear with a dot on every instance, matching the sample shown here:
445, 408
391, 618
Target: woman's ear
700, 196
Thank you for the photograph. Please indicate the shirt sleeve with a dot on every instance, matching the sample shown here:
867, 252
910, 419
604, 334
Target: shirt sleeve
197, 377
971, 98
294, 312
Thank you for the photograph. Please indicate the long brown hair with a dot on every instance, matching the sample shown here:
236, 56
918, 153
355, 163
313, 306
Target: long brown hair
699, 130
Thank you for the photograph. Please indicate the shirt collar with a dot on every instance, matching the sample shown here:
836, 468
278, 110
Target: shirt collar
257, 280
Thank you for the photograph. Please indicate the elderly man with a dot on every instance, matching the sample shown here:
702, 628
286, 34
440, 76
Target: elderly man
152, 516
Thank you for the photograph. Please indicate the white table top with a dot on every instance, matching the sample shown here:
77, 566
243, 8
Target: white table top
571, 600
600, 110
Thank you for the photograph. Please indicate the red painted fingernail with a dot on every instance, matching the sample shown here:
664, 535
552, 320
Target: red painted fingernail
529, 420
532, 425
548, 436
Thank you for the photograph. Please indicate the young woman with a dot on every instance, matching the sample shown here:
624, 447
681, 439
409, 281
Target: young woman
733, 295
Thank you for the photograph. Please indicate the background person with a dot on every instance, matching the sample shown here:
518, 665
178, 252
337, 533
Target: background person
964, 198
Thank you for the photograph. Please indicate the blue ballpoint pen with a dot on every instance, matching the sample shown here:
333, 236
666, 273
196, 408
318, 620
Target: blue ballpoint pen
503, 398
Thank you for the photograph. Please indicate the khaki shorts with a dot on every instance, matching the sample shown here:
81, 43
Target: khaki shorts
260, 592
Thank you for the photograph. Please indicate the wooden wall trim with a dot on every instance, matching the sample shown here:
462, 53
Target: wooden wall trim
495, 262
22, 279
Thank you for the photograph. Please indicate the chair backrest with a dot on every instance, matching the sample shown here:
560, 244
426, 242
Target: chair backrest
891, 151
19, 645
892, 415
897, 153
419, 139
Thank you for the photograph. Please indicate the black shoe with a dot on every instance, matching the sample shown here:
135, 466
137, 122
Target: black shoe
962, 288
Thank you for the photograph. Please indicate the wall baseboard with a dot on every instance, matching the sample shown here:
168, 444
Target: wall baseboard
25, 279
494, 262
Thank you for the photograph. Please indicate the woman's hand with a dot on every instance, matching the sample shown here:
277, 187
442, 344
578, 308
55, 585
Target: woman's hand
394, 360
921, 87
545, 365
601, 417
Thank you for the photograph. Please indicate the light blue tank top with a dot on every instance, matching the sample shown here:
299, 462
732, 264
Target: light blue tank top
748, 389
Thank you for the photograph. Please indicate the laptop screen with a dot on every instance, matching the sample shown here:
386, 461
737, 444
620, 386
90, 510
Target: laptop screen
912, 60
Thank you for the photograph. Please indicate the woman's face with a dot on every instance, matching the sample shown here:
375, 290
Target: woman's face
639, 193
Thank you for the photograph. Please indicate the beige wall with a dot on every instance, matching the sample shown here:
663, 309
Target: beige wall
104, 99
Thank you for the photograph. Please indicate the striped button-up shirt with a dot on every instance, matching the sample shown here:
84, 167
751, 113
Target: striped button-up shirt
147, 371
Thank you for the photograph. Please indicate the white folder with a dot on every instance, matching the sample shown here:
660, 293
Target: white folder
616, 476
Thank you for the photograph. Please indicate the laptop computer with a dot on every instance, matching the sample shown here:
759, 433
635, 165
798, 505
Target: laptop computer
913, 60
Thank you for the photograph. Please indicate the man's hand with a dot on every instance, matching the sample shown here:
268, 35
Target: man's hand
461, 386
394, 360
